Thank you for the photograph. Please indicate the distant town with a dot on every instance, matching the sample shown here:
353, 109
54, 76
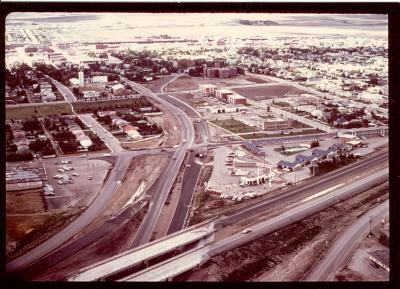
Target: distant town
167, 157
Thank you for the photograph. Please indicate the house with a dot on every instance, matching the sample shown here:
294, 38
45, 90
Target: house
118, 89
341, 121
106, 113
74, 81
119, 122
132, 132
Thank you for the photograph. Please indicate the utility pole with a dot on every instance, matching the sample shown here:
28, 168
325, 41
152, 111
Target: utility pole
370, 223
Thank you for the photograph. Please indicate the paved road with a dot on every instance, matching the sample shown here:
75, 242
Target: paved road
79, 223
68, 95
188, 260
167, 179
110, 141
342, 248
188, 185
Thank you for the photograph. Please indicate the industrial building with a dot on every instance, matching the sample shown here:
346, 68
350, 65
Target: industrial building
251, 146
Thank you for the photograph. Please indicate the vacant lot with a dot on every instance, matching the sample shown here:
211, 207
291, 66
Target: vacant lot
25, 202
191, 83
23, 111
233, 125
81, 107
256, 80
267, 92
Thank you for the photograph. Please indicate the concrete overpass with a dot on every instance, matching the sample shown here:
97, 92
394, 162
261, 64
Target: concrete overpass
177, 265
145, 253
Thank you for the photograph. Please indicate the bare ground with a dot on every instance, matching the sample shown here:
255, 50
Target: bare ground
287, 254
141, 169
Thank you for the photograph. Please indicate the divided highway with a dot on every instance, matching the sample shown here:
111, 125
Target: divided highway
188, 260
167, 179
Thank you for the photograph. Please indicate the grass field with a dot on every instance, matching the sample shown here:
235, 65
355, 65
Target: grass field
267, 92
256, 80
107, 104
234, 126
40, 109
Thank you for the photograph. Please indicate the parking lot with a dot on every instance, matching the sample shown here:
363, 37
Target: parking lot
83, 189
222, 181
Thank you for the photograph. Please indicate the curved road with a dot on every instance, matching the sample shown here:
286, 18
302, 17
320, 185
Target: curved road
341, 250
167, 179
79, 223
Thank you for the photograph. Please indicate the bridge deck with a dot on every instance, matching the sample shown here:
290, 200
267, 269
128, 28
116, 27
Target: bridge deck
133, 257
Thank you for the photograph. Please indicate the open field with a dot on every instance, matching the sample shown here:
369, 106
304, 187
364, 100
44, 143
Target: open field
256, 79
267, 92
81, 107
40, 109
234, 126
24, 231
25, 202
192, 83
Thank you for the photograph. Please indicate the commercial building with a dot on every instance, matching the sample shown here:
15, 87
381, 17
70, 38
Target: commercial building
251, 146
25, 178
275, 124
237, 99
207, 89
223, 93
90, 93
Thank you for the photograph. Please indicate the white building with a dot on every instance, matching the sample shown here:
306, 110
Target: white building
90, 93
99, 78
81, 78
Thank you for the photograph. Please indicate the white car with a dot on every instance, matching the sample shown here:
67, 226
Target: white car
106, 155
184, 140
245, 231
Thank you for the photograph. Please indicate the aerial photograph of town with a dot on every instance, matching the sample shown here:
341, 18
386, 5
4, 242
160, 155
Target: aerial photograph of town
196, 147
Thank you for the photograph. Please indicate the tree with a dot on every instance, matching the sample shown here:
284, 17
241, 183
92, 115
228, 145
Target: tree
314, 144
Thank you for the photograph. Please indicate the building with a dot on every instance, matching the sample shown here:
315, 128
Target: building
289, 165
223, 94
345, 138
90, 93
207, 89
227, 109
74, 81
132, 132
81, 78
118, 89
237, 99
251, 146
100, 78
25, 178
275, 124
305, 159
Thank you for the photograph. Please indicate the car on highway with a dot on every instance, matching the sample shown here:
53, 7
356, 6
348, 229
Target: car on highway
75, 174
184, 140
83, 156
163, 150
188, 165
106, 155
246, 231
90, 178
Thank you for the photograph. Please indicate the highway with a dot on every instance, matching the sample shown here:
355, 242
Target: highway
167, 179
342, 248
300, 191
188, 260
92, 211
